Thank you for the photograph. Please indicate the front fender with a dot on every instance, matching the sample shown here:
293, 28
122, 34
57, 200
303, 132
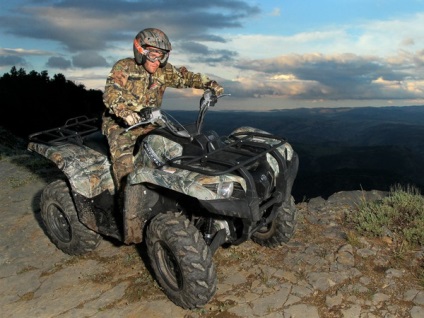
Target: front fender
285, 150
183, 181
88, 171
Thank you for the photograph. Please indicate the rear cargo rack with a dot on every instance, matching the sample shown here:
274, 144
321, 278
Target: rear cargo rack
74, 130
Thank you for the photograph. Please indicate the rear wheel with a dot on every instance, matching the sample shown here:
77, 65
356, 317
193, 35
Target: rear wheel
61, 221
181, 260
281, 229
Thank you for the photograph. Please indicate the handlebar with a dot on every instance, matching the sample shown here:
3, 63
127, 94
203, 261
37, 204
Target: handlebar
209, 98
155, 115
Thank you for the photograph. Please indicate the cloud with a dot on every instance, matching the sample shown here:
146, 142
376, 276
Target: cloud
58, 62
7, 60
20, 51
200, 53
88, 60
338, 76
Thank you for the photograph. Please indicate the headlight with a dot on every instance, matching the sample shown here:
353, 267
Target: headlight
225, 189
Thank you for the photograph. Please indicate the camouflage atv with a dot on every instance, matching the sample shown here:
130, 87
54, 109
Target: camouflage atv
190, 193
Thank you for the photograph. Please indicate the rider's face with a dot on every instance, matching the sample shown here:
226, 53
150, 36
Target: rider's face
150, 66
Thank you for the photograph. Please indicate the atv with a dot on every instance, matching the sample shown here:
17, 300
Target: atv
191, 192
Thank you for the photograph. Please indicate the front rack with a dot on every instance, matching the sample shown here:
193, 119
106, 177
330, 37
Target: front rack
74, 130
230, 157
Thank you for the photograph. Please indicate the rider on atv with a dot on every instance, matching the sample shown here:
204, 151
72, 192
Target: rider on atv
189, 191
136, 84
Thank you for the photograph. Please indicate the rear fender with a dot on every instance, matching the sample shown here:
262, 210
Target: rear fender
88, 171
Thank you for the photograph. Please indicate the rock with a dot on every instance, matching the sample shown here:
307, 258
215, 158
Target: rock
393, 273
333, 301
379, 298
354, 198
365, 252
271, 302
316, 204
352, 312
419, 298
417, 312
321, 280
345, 256
301, 310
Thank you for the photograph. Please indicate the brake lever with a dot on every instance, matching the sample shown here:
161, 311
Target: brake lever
136, 125
154, 116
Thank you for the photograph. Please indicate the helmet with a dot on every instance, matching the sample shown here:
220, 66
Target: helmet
151, 37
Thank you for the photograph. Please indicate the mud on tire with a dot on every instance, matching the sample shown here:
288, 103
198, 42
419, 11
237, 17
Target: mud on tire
181, 260
61, 221
281, 229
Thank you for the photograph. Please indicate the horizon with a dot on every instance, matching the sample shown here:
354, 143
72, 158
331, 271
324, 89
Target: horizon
191, 104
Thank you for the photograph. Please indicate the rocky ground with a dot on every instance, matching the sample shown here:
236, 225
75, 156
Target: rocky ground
327, 270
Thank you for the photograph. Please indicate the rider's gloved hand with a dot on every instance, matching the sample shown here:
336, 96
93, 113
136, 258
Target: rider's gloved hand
214, 100
208, 96
145, 113
132, 119
218, 89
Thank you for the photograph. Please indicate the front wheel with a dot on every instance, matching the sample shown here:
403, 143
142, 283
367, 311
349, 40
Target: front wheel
181, 260
281, 229
61, 221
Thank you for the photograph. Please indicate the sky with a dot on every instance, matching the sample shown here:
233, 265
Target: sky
268, 54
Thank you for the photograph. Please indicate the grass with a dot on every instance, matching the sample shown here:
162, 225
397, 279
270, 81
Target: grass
400, 216
398, 219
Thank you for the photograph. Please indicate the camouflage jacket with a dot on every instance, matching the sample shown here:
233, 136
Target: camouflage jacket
129, 87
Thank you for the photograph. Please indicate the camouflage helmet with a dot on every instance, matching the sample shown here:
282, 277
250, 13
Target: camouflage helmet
154, 38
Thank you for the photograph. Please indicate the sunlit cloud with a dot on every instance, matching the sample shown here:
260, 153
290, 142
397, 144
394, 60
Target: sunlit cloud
21, 51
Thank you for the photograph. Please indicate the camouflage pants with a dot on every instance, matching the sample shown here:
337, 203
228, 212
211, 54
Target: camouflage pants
121, 146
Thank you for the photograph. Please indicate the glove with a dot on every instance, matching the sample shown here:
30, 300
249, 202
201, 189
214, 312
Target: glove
219, 90
145, 113
132, 119
214, 99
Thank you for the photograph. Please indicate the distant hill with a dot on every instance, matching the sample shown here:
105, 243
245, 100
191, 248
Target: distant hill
341, 148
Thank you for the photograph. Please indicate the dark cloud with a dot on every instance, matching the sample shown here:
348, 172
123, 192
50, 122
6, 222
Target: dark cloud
201, 53
88, 60
7, 60
89, 25
205, 38
82, 27
58, 62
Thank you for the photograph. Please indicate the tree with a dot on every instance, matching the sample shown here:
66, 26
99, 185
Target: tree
33, 102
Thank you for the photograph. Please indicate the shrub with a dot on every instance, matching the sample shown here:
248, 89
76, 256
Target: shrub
400, 214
